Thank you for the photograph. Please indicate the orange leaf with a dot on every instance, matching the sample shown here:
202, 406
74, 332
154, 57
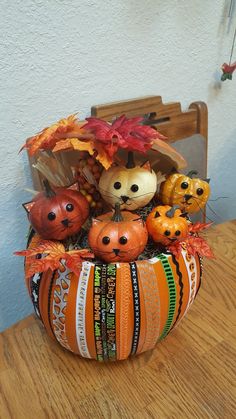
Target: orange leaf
43, 265
48, 137
175, 248
48, 247
200, 246
53, 253
195, 228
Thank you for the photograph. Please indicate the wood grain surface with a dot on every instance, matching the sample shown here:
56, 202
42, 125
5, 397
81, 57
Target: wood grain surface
190, 374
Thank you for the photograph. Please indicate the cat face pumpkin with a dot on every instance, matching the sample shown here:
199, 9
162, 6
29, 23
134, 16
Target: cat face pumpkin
190, 194
118, 237
58, 213
133, 187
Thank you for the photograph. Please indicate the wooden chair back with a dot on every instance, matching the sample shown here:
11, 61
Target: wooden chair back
187, 131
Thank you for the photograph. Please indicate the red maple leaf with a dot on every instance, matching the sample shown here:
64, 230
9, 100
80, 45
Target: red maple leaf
124, 132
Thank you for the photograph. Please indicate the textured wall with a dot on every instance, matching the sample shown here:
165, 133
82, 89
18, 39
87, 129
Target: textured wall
58, 57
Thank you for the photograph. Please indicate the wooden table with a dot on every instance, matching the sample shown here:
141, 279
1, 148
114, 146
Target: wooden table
191, 374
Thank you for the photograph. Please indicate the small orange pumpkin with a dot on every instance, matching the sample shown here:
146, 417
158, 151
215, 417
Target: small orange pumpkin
166, 224
118, 236
57, 213
190, 194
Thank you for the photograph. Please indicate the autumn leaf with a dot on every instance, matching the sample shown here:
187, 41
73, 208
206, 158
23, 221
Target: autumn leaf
127, 133
74, 259
175, 248
68, 127
94, 148
195, 228
47, 247
75, 144
194, 244
53, 256
200, 246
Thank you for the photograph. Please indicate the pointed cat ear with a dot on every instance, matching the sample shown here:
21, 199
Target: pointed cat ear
146, 165
73, 187
28, 206
207, 180
96, 221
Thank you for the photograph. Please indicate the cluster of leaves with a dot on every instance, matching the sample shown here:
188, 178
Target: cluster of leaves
194, 243
100, 138
51, 255
66, 128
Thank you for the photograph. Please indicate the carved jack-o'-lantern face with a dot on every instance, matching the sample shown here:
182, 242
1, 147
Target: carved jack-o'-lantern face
132, 186
190, 194
57, 214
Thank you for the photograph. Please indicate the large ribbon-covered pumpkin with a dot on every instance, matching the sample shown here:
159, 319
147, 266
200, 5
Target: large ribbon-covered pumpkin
110, 311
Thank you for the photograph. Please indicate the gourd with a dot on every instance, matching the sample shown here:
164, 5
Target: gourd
118, 237
190, 194
132, 186
167, 224
57, 213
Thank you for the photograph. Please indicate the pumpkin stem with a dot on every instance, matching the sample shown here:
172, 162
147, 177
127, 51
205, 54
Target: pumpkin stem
49, 192
117, 216
171, 212
191, 173
130, 163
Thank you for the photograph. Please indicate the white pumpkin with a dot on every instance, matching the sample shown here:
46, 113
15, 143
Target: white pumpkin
132, 186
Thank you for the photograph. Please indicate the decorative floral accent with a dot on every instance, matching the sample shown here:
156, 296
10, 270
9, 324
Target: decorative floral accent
51, 255
100, 138
123, 133
194, 243
47, 139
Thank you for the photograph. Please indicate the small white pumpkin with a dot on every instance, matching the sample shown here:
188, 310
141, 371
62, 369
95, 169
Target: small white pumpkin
132, 186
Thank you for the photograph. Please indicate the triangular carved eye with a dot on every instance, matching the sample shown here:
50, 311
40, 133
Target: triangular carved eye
157, 214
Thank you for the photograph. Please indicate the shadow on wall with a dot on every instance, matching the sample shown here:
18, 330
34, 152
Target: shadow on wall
14, 300
221, 173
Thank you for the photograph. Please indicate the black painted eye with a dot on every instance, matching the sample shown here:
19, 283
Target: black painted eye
69, 207
117, 185
200, 191
167, 233
106, 240
51, 216
134, 188
184, 185
123, 240
177, 233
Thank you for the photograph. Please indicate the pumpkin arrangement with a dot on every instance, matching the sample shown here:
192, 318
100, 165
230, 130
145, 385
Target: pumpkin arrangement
113, 261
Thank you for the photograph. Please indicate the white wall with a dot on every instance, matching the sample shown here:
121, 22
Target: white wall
62, 56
